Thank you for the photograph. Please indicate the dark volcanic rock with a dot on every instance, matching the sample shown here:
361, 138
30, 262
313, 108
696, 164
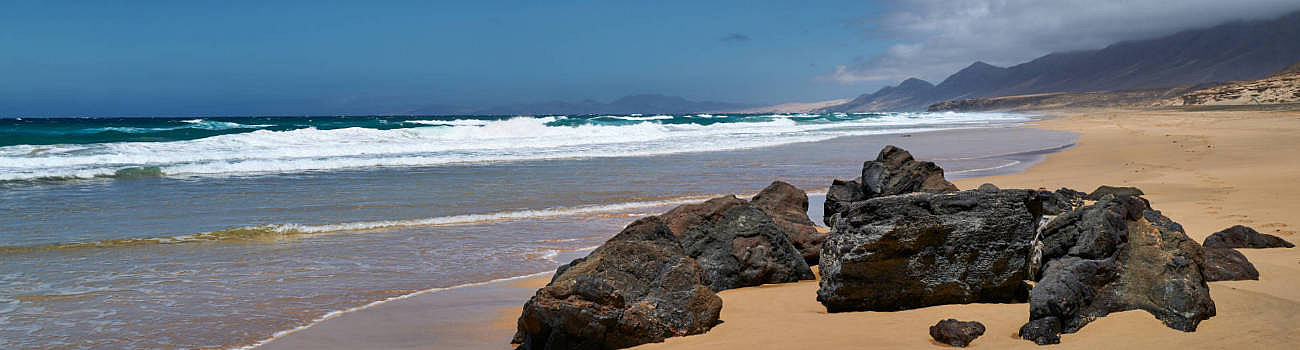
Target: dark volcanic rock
1227, 264
788, 206
922, 249
1043, 331
956, 333
841, 193
1116, 255
1114, 191
639, 287
1061, 201
683, 217
893, 172
744, 248
1244, 237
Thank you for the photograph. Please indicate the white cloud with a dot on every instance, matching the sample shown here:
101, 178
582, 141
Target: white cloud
938, 37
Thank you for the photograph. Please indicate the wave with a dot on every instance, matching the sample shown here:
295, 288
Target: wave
190, 124
276, 232
440, 142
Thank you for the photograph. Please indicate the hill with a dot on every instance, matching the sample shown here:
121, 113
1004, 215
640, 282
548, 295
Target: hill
1227, 52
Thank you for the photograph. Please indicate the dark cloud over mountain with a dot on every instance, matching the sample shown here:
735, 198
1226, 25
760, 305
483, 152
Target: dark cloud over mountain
934, 38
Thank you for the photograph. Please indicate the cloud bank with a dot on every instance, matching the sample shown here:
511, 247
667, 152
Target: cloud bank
935, 38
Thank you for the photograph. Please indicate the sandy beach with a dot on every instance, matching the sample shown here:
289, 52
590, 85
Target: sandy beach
1205, 169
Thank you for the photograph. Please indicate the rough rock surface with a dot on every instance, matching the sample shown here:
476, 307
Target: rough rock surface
744, 248
922, 249
1116, 255
683, 217
788, 206
956, 333
1061, 201
840, 194
1244, 237
639, 287
1104, 190
893, 172
1227, 264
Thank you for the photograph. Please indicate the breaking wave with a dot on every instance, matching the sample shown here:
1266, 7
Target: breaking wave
438, 142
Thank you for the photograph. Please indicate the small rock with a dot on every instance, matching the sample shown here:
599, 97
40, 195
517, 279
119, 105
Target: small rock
988, 187
1115, 191
956, 333
1244, 237
1227, 264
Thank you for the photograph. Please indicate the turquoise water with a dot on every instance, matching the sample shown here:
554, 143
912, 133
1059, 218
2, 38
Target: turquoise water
160, 233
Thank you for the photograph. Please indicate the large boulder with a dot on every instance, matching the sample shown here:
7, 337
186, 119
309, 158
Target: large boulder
922, 249
744, 247
788, 206
1244, 237
1116, 255
685, 216
893, 172
1227, 264
956, 333
639, 287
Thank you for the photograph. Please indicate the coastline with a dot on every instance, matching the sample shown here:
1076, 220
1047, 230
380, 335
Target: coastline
396, 323
1206, 170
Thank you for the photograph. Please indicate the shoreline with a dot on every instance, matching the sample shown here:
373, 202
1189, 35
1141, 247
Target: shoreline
322, 332
1206, 170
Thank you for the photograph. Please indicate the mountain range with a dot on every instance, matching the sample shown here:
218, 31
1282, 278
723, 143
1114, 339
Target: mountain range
646, 103
1244, 50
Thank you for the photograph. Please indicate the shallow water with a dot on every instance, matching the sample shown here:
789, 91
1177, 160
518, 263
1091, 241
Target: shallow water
223, 260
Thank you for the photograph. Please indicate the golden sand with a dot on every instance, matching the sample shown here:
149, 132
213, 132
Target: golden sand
1205, 170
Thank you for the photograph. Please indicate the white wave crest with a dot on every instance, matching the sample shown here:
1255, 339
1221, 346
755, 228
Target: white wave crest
445, 142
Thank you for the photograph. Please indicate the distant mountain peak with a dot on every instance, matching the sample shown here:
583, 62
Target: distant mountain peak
914, 83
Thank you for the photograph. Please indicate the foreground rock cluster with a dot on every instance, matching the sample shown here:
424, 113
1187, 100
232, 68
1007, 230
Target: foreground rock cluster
901, 237
657, 278
1116, 255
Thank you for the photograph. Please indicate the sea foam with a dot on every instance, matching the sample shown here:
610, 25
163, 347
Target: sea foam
439, 142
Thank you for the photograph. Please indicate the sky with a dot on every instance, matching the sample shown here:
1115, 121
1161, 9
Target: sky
189, 58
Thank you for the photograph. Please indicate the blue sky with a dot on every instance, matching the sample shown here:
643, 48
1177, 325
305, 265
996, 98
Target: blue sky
194, 58
276, 57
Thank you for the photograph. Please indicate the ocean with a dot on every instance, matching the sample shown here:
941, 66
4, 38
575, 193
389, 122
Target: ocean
224, 232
